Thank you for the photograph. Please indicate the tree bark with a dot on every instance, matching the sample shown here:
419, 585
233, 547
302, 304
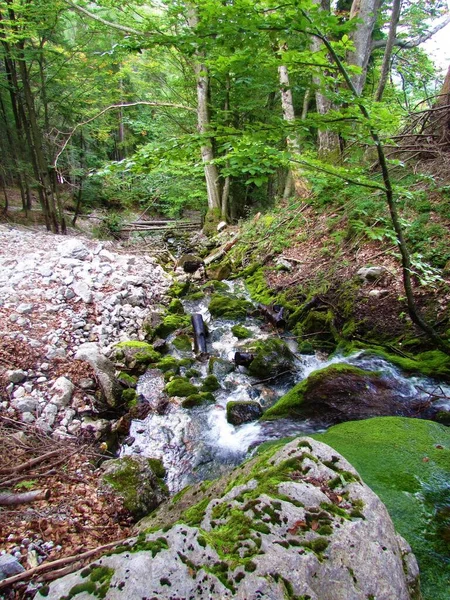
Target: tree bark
8, 499
366, 11
385, 67
203, 121
299, 181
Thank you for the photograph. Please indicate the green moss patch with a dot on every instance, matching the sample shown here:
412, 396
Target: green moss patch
183, 343
272, 356
198, 400
171, 323
241, 332
210, 384
407, 463
230, 308
176, 307
181, 387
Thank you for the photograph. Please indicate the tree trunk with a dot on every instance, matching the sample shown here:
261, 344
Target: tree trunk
385, 67
366, 11
300, 183
203, 122
328, 141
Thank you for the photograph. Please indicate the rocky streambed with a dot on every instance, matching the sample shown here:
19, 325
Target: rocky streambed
89, 349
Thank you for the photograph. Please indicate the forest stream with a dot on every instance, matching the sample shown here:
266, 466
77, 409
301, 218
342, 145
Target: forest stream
199, 443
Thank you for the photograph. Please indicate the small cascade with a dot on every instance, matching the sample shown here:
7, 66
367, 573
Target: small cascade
199, 443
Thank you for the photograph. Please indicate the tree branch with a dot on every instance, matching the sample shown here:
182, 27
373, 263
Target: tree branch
416, 41
117, 26
112, 107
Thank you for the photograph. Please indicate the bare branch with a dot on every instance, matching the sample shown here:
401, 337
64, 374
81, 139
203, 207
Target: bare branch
416, 41
113, 107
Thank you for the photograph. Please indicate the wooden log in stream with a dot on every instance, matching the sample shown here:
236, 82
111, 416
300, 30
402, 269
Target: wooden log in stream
199, 333
243, 359
276, 317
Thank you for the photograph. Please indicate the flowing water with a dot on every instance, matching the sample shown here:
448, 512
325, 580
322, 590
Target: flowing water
198, 443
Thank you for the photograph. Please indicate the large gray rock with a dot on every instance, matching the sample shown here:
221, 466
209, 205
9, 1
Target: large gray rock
104, 371
297, 522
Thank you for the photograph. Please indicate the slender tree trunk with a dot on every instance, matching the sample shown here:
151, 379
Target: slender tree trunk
328, 141
366, 11
299, 181
385, 67
203, 122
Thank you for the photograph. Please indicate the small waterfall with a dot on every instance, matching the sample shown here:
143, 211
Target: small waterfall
199, 443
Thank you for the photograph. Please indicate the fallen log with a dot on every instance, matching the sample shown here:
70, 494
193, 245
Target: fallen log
221, 252
9, 499
30, 463
276, 317
243, 359
199, 333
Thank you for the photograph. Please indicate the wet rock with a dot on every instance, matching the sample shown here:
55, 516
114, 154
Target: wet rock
311, 527
189, 263
239, 412
220, 367
138, 480
339, 393
271, 357
219, 272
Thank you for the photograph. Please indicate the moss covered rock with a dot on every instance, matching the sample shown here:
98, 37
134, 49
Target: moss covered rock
135, 481
178, 289
220, 367
198, 400
176, 307
241, 332
183, 343
243, 411
271, 357
181, 387
294, 522
210, 384
407, 463
338, 393
171, 323
212, 219
229, 308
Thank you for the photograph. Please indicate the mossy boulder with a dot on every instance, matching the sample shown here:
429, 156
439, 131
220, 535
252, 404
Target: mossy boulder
219, 272
176, 307
243, 411
217, 286
293, 522
407, 463
133, 353
135, 481
183, 343
127, 380
220, 367
178, 289
129, 397
337, 393
229, 308
210, 384
241, 332
198, 400
271, 357
171, 323
181, 387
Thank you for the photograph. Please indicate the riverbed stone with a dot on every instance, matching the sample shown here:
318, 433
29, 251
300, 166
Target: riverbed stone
340, 392
138, 481
371, 273
247, 536
73, 248
62, 391
271, 357
241, 411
